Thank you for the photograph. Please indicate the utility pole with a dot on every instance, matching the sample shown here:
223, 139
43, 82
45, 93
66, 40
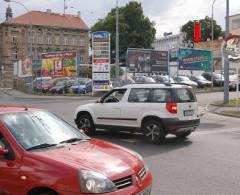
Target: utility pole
226, 63
212, 44
117, 43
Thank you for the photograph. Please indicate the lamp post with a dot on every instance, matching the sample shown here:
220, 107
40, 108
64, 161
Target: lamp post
212, 44
117, 43
30, 26
226, 63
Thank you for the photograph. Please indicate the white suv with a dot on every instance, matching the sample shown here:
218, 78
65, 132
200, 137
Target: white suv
154, 109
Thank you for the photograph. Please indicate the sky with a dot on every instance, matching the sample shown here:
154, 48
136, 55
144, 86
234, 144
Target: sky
168, 15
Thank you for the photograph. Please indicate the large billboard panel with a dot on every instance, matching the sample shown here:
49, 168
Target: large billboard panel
159, 61
193, 59
101, 60
146, 60
62, 64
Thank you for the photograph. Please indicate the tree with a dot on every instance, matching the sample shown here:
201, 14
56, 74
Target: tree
135, 29
206, 29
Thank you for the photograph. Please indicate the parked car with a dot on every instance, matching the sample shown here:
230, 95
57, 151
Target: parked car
233, 82
61, 87
39, 82
153, 109
163, 79
143, 79
126, 81
218, 79
201, 81
82, 85
43, 155
185, 80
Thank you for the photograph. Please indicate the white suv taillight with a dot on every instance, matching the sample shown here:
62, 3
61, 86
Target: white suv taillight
171, 107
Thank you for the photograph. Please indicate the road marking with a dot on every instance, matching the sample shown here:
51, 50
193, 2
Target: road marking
215, 132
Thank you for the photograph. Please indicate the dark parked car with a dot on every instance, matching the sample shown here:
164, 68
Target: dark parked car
201, 81
218, 79
61, 87
83, 85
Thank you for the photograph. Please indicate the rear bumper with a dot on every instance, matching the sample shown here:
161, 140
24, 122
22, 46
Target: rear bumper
175, 126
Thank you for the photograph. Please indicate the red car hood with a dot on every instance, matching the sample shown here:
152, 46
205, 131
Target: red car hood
109, 159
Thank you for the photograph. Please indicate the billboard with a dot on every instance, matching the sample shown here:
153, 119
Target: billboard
193, 59
146, 60
23, 68
61, 64
101, 60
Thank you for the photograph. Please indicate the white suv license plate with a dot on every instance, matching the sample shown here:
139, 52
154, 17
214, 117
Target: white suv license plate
146, 191
188, 112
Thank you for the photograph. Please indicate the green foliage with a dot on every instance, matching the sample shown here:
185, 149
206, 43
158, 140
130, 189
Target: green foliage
206, 29
113, 69
135, 29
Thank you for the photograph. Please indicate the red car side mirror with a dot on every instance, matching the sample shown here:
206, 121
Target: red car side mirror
3, 151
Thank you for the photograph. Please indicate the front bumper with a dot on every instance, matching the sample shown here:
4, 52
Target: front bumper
175, 126
131, 190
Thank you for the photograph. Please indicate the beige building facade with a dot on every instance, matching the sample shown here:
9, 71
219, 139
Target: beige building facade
51, 32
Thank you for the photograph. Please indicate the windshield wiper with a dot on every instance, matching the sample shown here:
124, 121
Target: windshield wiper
40, 146
75, 139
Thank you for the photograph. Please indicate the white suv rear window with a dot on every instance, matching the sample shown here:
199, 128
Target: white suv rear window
185, 95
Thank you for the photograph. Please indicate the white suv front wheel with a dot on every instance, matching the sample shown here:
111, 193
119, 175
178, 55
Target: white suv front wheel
153, 131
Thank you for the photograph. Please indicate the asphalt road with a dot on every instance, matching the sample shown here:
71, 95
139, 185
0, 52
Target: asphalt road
206, 163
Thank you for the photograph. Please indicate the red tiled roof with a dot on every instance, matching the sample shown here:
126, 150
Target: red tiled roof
49, 19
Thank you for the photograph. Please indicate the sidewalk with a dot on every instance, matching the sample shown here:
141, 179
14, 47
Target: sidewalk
21, 95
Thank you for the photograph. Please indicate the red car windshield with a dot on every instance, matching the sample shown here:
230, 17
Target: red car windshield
40, 128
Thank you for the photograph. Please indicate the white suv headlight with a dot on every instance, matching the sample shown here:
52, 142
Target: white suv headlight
93, 182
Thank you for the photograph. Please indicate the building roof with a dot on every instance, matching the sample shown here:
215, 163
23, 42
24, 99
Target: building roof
49, 19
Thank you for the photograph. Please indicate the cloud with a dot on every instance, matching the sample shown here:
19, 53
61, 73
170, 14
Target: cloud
168, 15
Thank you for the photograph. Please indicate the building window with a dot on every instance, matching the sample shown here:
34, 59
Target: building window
14, 38
57, 39
81, 58
14, 54
82, 41
65, 40
74, 41
235, 24
49, 41
40, 38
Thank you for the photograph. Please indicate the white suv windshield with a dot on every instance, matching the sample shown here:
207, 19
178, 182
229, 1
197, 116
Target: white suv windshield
35, 128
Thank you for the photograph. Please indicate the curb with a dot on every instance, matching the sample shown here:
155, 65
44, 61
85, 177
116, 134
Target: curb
220, 113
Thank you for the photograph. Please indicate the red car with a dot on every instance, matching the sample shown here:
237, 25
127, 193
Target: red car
40, 154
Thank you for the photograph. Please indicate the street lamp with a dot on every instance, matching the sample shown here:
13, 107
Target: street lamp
117, 43
212, 43
226, 63
30, 26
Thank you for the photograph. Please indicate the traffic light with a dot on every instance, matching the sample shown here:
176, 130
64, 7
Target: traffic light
197, 32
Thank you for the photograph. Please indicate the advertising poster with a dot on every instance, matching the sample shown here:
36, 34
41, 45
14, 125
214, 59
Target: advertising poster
193, 59
159, 61
62, 64
101, 60
147, 60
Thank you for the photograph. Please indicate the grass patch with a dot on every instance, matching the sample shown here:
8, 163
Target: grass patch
231, 103
232, 113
